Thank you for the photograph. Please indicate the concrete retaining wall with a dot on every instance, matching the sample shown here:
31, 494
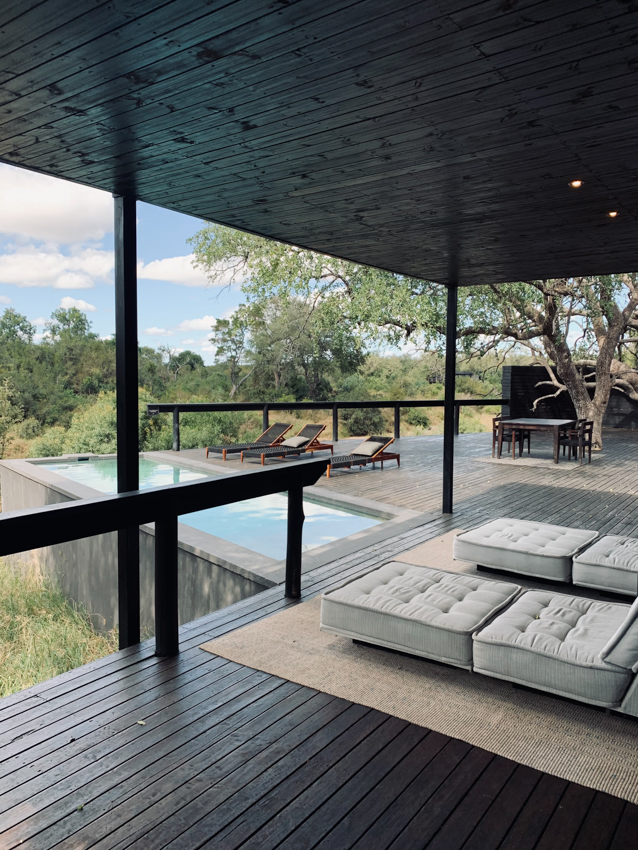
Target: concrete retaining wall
86, 569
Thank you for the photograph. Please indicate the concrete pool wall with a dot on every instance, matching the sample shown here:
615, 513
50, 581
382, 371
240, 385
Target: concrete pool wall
206, 583
213, 572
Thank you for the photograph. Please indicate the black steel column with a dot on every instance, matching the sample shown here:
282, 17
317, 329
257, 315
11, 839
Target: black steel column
450, 391
166, 583
128, 572
335, 424
176, 429
397, 422
264, 418
293, 549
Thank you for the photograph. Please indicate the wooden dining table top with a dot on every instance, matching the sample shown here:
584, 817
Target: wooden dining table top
537, 423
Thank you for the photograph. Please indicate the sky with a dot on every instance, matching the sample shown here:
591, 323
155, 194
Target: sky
56, 250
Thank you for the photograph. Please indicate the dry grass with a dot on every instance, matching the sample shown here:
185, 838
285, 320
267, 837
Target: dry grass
41, 633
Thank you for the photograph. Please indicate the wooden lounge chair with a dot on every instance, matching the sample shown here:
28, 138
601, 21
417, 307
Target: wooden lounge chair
372, 449
305, 441
270, 437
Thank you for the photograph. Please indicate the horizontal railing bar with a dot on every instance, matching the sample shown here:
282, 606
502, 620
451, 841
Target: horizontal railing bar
223, 407
33, 528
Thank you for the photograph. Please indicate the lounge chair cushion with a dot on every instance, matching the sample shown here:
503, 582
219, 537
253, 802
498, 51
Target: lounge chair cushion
553, 642
416, 609
531, 548
622, 648
610, 564
368, 448
295, 442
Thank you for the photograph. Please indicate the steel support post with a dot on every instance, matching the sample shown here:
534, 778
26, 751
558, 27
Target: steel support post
335, 423
397, 422
125, 249
264, 418
166, 595
293, 547
176, 429
450, 389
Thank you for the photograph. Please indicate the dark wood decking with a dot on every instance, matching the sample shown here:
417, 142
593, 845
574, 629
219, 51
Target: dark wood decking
196, 751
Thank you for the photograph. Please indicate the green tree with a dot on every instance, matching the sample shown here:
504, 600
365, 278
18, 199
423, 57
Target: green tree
14, 327
230, 337
582, 329
69, 324
10, 413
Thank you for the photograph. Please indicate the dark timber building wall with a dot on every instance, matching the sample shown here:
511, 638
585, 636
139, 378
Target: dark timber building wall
519, 385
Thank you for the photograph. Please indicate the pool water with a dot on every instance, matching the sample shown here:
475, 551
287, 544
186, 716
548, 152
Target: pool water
258, 524
102, 474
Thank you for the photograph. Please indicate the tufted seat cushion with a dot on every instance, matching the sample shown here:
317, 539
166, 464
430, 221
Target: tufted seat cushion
553, 642
610, 564
416, 609
531, 548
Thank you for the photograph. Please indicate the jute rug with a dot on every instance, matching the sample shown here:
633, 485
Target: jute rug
571, 741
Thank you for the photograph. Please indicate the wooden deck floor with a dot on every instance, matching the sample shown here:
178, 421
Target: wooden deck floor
134, 751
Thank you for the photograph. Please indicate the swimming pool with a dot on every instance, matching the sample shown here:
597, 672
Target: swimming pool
257, 524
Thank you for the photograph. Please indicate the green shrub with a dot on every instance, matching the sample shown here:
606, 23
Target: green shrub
416, 416
50, 444
363, 421
29, 428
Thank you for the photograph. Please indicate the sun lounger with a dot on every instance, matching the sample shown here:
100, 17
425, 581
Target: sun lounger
372, 449
305, 441
270, 437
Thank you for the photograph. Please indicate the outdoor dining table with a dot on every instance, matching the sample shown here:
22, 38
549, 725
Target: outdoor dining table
554, 425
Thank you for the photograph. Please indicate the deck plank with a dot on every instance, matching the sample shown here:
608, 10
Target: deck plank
233, 757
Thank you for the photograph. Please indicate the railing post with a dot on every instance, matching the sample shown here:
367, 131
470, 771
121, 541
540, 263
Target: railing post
293, 547
126, 385
166, 596
335, 423
450, 406
264, 418
176, 429
397, 421
457, 417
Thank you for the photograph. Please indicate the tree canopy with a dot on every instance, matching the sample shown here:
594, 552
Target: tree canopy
580, 328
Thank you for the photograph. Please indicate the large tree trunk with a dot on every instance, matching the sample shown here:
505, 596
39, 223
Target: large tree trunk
592, 409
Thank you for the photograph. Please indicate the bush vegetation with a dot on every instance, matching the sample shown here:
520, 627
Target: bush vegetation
58, 395
42, 634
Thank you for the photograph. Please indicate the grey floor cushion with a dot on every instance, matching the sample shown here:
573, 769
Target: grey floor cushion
419, 610
531, 548
610, 564
553, 642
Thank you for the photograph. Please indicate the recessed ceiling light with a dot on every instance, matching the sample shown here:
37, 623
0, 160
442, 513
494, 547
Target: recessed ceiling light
576, 184
612, 214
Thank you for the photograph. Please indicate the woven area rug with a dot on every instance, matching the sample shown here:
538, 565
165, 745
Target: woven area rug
571, 741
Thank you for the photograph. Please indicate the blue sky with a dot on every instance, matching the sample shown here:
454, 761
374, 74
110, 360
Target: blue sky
56, 249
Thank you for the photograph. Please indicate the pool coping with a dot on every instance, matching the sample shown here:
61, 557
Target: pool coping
252, 565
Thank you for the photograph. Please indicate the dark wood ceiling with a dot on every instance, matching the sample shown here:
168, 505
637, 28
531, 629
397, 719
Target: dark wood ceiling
435, 139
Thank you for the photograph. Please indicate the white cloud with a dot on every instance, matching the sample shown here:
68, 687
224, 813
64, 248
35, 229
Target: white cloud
40, 207
40, 322
174, 269
28, 266
188, 342
153, 331
67, 302
4, 299
203, 324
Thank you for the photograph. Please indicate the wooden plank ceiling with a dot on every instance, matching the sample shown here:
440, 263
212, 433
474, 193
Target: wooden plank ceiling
435, 139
